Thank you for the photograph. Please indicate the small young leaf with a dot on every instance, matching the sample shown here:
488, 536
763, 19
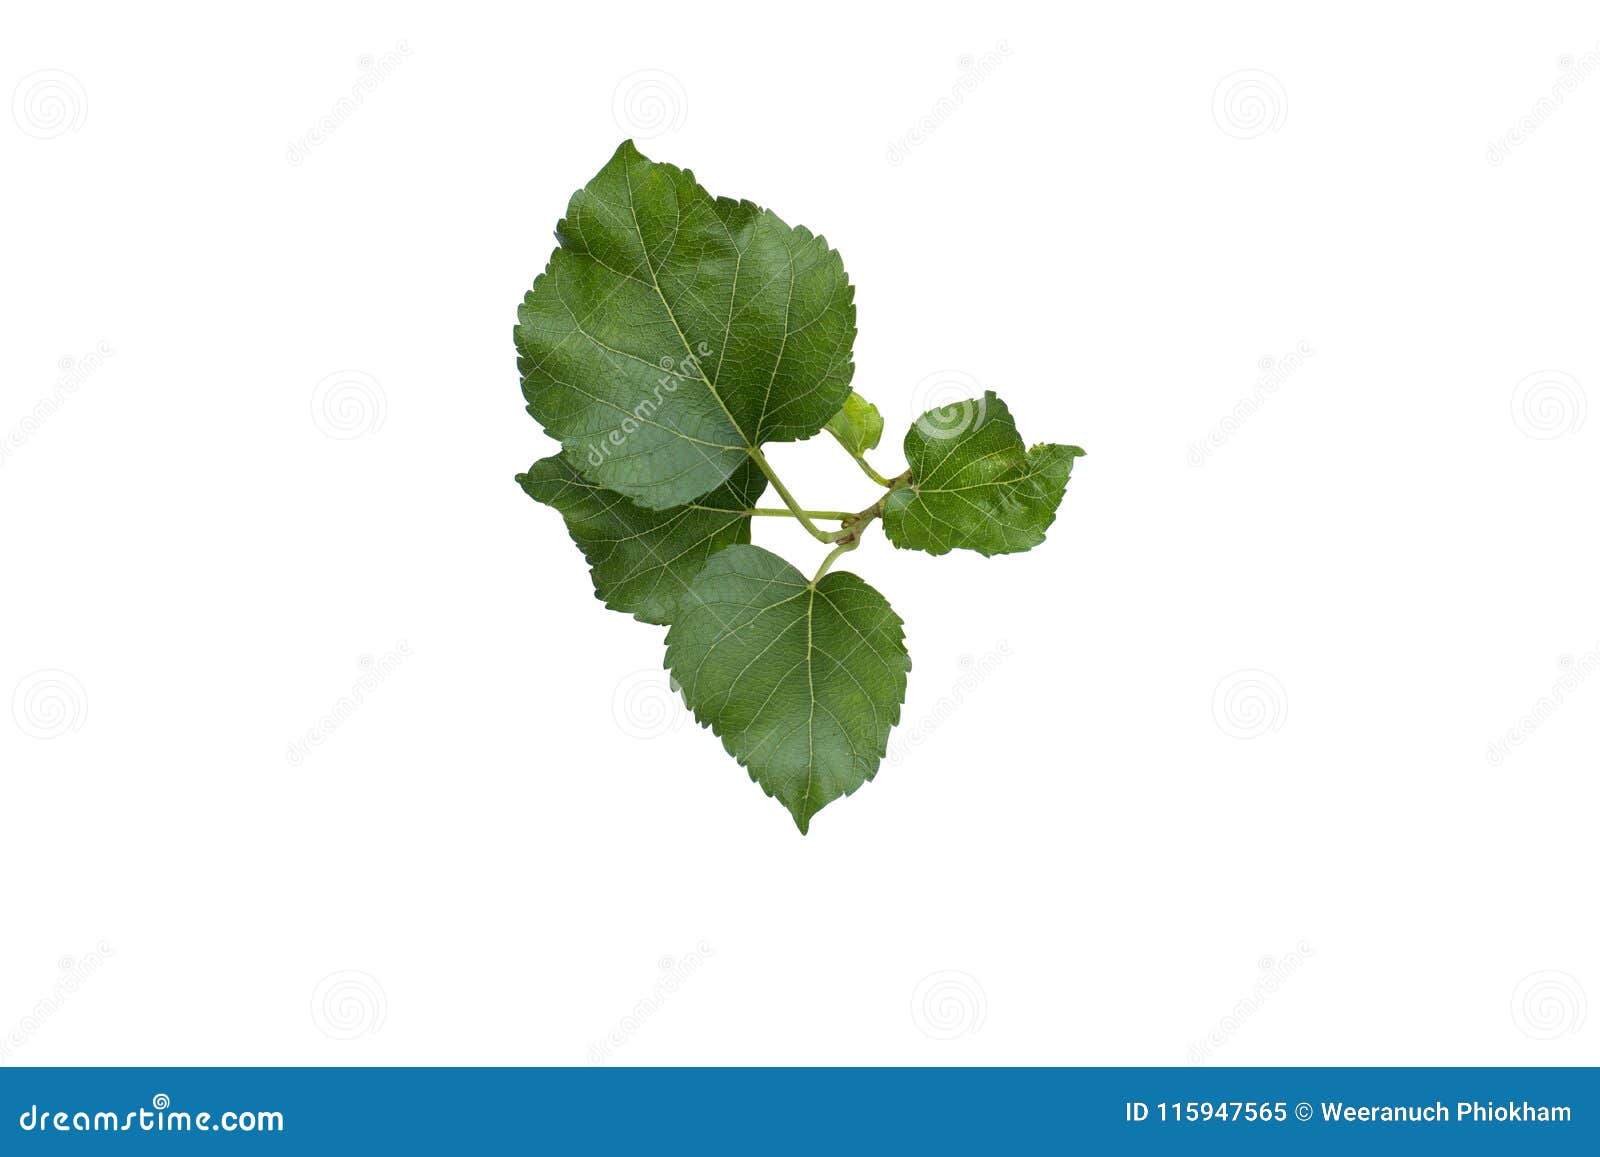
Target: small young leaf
802, 682
643, 560
973, 486
672, 332
857, 425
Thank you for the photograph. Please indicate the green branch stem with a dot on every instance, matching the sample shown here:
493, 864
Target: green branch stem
824, 515
856, 524
866, 468
858, 521
795, 508
851, 526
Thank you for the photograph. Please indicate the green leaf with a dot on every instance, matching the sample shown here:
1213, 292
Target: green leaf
802, 682
643, 560
973, 486
671, 333
857, 425
670, 337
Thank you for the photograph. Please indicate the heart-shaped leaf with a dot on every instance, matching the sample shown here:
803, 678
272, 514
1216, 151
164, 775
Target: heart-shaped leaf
802, 681
973, 486
673, 332
643, 560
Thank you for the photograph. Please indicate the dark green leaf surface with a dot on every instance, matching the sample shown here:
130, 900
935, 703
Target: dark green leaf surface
672, 332
973, 486
643, 560
802, 683
857, 425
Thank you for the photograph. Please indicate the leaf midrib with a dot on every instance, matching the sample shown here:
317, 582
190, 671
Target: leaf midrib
979, 485
655, 283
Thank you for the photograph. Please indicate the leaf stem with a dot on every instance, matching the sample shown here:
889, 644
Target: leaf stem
861, 461
854, 524
825, 515
804, 516
847, 544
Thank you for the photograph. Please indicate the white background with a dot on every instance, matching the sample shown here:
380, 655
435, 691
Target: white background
1115, 848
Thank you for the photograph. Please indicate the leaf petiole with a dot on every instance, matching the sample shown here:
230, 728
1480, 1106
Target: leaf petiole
825, 515
867, 469
854, 524
802, 515
846, 544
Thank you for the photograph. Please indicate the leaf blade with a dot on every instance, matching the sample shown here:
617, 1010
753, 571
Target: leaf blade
642, 560
766, 658
973, 485
672, 332
858, 425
